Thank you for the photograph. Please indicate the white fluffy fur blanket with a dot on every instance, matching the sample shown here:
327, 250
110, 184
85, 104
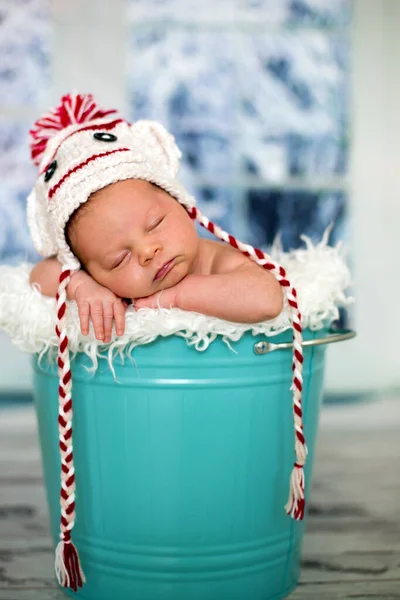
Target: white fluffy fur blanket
318, 272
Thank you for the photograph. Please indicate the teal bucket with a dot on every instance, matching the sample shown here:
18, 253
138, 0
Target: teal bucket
182, 468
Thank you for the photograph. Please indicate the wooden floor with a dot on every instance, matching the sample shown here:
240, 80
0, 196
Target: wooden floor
352, 544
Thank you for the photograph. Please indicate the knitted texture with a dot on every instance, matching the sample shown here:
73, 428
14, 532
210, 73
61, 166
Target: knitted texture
144, 150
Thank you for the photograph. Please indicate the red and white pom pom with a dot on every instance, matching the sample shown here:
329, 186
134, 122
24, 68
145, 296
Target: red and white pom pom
73, 109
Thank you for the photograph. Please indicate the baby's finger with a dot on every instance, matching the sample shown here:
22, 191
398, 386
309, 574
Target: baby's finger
84, 310
119, 314
96, 311
108, 314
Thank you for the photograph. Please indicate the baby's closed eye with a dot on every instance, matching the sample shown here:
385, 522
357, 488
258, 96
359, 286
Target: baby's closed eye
121, 260
153, 226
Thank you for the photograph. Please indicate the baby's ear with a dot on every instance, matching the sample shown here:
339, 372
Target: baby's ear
160, 142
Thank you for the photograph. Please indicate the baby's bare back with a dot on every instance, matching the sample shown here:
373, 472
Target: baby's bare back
223, 258
220, 257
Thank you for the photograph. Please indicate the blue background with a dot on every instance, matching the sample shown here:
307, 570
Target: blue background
256, 93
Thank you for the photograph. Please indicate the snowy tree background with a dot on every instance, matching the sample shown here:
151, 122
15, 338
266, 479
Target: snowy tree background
255, 92
24, 85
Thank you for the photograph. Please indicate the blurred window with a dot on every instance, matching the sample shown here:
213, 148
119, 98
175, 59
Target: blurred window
256, 94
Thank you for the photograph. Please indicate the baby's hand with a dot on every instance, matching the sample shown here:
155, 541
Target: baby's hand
102, 305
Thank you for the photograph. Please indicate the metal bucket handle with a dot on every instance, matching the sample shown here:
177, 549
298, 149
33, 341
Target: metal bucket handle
336, 335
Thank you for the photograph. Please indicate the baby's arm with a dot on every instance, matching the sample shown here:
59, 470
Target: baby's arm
248, 294
92, 298
47, 272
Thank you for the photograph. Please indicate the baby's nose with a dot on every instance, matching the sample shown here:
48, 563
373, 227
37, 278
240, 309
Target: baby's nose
148, 253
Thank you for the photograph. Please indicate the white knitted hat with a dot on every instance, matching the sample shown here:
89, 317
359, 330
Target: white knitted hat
87, 154
80, 148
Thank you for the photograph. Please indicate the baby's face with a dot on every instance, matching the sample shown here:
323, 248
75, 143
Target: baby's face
130, 230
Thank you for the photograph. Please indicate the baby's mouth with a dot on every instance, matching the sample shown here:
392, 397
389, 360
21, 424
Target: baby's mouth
164, 269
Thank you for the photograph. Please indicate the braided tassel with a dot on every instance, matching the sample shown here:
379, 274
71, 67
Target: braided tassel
296, 503
67, 564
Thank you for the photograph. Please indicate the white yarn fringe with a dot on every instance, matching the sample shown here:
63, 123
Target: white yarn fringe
60, 568
62, 575
318, 272
296, 493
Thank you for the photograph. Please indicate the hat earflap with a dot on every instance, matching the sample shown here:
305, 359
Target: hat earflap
160, 142
40, 225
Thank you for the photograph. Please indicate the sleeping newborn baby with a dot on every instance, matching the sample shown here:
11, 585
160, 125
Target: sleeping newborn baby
114, 224
136, 243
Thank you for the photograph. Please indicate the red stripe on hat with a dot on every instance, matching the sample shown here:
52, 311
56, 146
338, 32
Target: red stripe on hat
104, 126
56, 187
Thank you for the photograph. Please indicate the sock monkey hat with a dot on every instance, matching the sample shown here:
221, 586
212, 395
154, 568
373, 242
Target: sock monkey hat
80, 148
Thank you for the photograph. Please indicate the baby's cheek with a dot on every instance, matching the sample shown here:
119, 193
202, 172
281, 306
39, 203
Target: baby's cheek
129, 285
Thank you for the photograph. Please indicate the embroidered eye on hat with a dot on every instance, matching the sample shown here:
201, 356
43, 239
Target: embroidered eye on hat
80, 148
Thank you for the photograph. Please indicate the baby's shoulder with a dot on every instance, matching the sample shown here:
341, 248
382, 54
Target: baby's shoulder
225, 258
